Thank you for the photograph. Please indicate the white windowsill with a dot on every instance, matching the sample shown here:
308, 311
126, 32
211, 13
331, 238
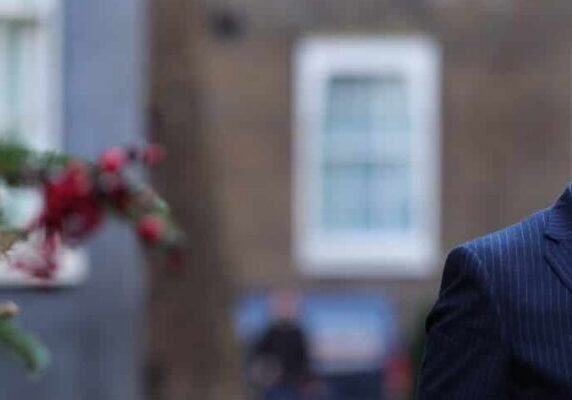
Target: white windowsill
73, 270
395, 258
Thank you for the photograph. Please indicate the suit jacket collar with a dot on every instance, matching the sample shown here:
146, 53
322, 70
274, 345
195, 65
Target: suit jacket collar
560, 217
558, 249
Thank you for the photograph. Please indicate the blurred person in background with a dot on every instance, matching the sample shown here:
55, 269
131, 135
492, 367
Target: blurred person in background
280, 359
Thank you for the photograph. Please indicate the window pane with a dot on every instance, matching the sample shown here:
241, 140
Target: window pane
12, 78
366, 143
348, 119
390, 198
345, 196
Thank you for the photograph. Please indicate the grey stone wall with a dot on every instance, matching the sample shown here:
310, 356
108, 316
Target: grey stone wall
95, 330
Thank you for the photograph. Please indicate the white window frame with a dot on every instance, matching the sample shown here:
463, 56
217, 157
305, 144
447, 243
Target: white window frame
415, 58
44, 94
47, 125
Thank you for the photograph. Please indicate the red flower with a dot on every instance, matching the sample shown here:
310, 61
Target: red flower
71, 207
120, 198
115, 191
113, 160
151, 228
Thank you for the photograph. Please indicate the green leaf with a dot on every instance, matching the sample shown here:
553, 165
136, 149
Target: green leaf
24, 345
16, 158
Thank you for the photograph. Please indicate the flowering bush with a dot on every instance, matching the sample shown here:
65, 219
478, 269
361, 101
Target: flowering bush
77, 197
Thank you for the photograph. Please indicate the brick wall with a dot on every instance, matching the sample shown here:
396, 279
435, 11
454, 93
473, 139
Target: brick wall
506, 119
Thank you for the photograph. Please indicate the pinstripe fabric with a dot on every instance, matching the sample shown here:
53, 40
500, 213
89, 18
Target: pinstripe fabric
502, 325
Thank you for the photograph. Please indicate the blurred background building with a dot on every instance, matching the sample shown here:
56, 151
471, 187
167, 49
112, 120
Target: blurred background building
350, 144
336, 148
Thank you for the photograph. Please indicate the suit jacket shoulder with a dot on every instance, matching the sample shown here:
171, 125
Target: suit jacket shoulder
510, 247
500, 327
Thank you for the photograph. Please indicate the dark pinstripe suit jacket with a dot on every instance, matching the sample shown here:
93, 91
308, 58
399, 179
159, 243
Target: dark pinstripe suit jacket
502, 325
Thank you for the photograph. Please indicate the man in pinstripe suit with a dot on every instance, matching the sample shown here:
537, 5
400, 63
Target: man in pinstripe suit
502, 325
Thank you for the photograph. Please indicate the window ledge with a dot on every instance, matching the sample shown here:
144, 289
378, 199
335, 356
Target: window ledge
73, 271
384, 258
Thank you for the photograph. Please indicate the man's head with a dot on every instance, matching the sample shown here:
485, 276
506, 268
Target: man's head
285, 304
